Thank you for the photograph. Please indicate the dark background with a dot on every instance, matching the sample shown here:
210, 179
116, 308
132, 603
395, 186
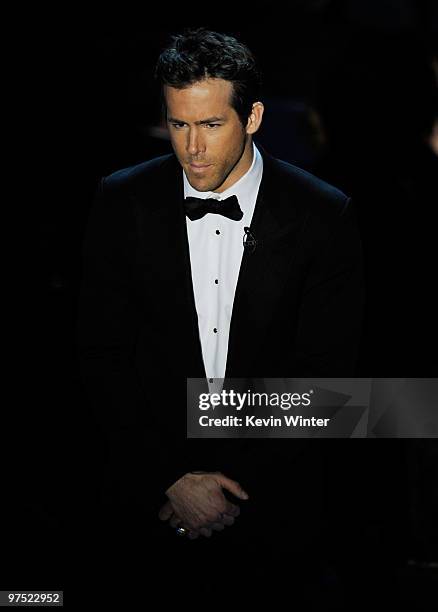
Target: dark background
350, 91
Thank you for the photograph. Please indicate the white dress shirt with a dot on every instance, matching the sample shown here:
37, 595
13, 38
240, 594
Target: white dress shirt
216, 249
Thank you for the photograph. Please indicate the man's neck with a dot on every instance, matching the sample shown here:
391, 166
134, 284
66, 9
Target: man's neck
241, 169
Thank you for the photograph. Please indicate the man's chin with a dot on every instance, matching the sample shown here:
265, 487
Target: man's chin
201, 185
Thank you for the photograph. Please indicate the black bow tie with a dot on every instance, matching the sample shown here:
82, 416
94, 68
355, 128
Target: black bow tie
196, 208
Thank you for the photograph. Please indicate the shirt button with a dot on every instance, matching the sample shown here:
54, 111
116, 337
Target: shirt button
216, 281
215, 330
217, 232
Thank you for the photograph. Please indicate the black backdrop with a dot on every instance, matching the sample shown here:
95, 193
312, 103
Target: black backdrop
350, 94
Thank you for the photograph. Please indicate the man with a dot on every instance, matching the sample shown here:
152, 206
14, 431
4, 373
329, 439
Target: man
170, 292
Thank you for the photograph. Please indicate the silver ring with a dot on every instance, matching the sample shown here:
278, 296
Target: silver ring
181, 531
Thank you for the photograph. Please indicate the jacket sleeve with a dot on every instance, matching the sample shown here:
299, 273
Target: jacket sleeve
138, 465
331, 311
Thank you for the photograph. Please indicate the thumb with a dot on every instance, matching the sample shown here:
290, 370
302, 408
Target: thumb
231, 485
166, 511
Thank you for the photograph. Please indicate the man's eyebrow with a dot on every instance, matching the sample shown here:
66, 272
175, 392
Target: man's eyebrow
203, 121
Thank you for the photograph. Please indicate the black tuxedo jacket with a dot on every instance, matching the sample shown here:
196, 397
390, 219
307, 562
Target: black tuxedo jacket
297, 313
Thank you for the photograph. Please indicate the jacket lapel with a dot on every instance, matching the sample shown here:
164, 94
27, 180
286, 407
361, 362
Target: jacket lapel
166, 243
276, 226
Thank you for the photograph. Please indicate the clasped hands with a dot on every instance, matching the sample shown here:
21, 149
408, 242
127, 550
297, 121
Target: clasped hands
197, 502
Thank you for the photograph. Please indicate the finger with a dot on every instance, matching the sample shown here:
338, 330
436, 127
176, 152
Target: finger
217, 526
175, 521
205, 532
232, 509
166, 511
231, 485
228, 520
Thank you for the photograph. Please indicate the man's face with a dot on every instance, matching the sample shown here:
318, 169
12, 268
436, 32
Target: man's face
207, 136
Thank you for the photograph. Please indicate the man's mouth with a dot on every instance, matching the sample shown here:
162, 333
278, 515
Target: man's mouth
199, 168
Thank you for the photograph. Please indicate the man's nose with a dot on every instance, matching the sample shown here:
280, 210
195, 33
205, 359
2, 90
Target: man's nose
195, 143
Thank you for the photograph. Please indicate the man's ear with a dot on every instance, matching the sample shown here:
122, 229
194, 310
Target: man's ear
255, 118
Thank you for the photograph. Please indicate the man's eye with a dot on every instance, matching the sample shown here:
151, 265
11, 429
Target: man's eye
212, 125
177, 126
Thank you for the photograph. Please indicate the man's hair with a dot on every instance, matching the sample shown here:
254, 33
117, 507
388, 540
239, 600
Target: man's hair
198, 54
